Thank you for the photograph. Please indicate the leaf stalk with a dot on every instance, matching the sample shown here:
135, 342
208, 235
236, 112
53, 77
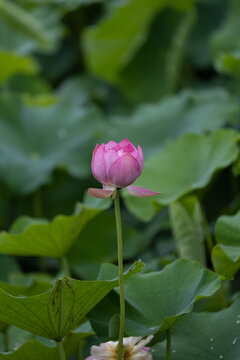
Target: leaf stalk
65, 267
61, 351
120, 274
168, 354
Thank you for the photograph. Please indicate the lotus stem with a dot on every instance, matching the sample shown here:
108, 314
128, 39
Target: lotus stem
65, 267
61, 351
168, 354
120, 274
5, 340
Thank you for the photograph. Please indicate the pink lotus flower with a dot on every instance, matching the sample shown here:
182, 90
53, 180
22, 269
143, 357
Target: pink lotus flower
117, 165
134, 349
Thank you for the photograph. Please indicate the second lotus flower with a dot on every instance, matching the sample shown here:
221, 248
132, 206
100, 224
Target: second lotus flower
118, 165
134, 349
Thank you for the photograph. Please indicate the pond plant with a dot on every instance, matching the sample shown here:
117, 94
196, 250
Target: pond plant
117, 166
160, 73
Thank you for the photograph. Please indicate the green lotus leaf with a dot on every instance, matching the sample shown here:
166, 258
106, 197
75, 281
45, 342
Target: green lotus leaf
187, 226
12, 64
161, 54
32, 287
25, 22
14, 38
8, 265
109, 47
35, 140
54, 313
225, 42
168, 294
42, 238
205, 336
226, 254
196, 110
34, 349
229, 63
183, 166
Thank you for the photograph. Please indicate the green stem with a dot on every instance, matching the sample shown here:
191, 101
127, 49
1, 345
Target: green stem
79, 352
207, 232
61, 351
65, 267
43, 265
208, 235
120, 275
168, 354
5, 340
37, 211
37, 203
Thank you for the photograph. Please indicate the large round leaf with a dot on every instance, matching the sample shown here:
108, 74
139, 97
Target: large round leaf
34, 349
26, 30
196, 111
13, 64
43, 238
171, 293
225, 42
226, 254
184, 166
8, 265
159, 47
27, 285
207, 336
109, 46
35, 140
55, 313
168, 294
187, 226
229, 63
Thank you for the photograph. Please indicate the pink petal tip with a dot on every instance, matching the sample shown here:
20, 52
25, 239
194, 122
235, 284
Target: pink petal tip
100, 193
140, 192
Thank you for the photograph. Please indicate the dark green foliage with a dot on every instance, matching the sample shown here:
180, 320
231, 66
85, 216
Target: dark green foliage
164, 74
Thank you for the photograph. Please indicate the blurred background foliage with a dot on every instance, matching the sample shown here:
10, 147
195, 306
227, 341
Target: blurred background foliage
164, 74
